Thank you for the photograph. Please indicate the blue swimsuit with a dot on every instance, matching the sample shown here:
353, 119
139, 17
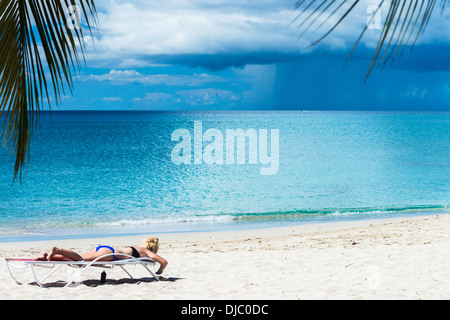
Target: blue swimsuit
107, 247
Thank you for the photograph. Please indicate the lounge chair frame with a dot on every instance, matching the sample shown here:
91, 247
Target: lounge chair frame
83, 265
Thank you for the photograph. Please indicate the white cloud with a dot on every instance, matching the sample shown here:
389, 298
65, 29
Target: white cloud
121, 77
156, 97
112, 99
192, 98
133, 32
413, 91
210, 96
173, 27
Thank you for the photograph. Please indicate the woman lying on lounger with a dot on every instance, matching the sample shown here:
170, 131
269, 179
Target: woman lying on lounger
148, 250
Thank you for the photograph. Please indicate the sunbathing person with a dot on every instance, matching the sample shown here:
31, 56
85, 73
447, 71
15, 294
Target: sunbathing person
148, 250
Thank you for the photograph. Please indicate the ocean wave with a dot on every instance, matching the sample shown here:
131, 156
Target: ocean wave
18, 232
336, 212
276, 215
167, 220
189, 220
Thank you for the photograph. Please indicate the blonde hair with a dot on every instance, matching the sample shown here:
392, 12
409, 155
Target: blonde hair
151, 244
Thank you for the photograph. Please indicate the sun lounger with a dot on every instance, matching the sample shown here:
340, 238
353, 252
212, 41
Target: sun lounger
83, 265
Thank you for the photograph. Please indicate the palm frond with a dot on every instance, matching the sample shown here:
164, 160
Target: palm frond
40, 47
404, 22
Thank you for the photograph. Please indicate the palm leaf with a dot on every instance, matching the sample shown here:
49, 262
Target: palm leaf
405, 21
40, 48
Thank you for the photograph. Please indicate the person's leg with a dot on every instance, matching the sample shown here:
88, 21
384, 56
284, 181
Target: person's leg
58, 254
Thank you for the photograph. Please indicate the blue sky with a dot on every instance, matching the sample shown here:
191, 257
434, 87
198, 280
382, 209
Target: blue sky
250, 55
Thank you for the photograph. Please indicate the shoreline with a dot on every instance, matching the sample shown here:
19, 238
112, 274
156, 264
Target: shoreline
102, 233
397, 258
209, 234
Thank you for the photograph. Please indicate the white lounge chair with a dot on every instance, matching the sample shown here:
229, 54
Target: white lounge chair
83, 265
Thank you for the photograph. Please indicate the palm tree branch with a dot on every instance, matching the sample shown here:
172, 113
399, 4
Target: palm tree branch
40, 47
405, 21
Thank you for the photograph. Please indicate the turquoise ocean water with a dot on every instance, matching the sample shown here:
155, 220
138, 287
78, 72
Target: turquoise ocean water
111, 173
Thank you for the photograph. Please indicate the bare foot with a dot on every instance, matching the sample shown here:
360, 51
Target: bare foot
53, 253
43, 258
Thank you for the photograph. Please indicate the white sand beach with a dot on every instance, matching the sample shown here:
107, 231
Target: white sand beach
404, 258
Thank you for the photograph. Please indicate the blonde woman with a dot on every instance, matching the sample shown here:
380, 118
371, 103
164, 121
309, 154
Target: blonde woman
148, 250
